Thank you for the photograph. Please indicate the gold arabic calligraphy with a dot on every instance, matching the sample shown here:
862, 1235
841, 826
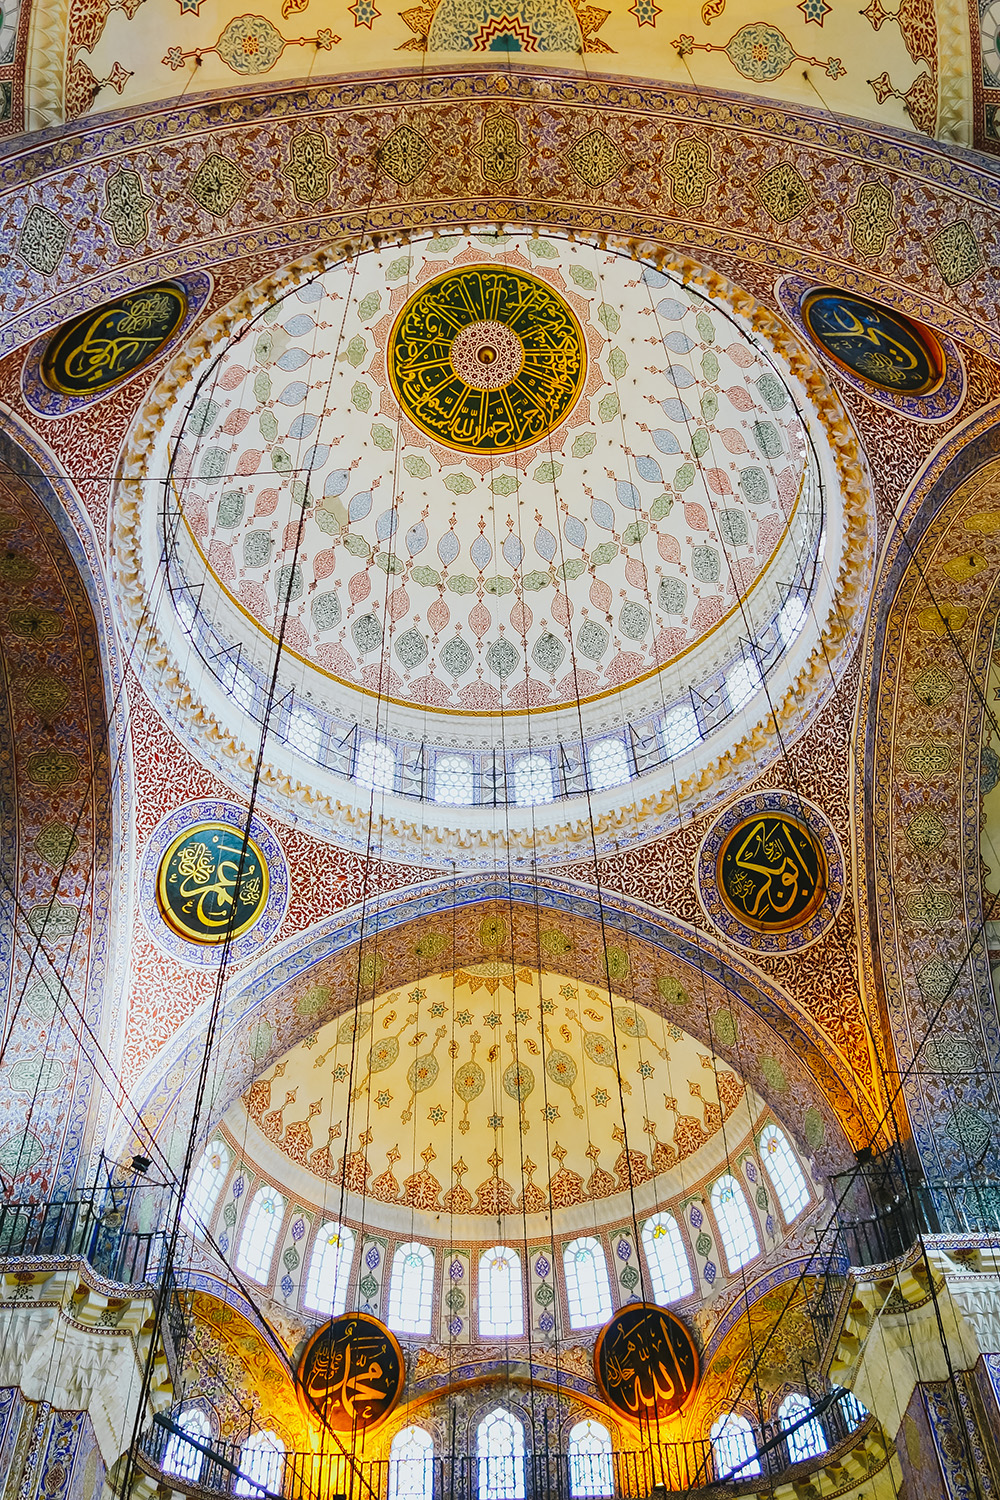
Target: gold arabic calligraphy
95, 352
771, 872
210, 887
351, 1373
439, 391
646, 1363
872, 342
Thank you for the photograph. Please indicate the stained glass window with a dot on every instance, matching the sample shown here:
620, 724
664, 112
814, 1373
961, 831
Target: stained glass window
260, 1233
734, 1448
791, 618
787, 1177
737, 1229
669, 1268
182, 1458
500, 1450
680, 729
375, 766
532, 780
205, 1187
411, 1288
454, 780
590, 1470
501, 1310
411, 1465
742, 681
261, 1465
607, 762
854, 1412
329, 1270
806, 1441
588, 1290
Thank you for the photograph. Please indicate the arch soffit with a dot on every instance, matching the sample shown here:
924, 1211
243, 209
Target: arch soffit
720, 998
369, 184
917, 783
70, 809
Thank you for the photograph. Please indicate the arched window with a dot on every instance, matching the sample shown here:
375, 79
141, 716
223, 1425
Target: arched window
411, 1289
736, 1226
329, 1270
411, 1465
607, 761
791, 618
501, 1308
742, 681
260, 1233
588, 1290
500, 1449
680, 729
454, 780
734, 1448
532, 780
787, 1178
806, 1441
853, 1412
375, 766
184, 1459
590, 1471
261, 1464
204, 1188
305, 733
669, 1269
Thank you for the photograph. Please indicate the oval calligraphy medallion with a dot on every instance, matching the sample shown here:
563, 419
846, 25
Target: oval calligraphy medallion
193, 886
874, 343
212, 883
770, 872
104, 347
646, 1363
351, 1373
487, 359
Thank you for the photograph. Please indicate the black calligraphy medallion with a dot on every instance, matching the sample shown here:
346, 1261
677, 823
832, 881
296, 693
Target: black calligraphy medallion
646, 1363
487, 359
209, 887
104, 347
772, 872
874, 343
351, 1373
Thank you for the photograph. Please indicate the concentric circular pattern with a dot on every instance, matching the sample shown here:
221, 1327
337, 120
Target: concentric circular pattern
487, 355
771, 873
456, 329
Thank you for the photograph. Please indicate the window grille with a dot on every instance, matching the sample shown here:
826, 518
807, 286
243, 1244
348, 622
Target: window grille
806, 1441
588, 1290
205, 1187
411, 1288
500, 1448
590, 1470
329, 1270
260, 1233
734, 1448
454, 780
607, 762
532, 780
261, 1465
181, 1458
411, 1465
375, 766
669, 1268
736, 1226
501, 1309
787, 1178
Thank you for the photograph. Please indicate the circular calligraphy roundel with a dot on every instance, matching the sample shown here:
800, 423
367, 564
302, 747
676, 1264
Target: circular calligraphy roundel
487, 359
105, 346
351, 1373
212, 883
770, 872
874, 343
646, 1363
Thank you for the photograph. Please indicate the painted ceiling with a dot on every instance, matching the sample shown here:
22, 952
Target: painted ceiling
496, 1090
909, 66
446, 558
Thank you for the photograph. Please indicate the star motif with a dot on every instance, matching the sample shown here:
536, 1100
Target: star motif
815, 10
189, 7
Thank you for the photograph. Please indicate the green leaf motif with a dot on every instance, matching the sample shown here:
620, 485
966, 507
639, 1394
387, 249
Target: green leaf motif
617, 363
584, 444
361, 396
262, 386
710, 366
268, 426
684, 478
705, 327
389, 562
507, 484
356, 545
369, 306
280, 461
535, 580
605, 553
542, 249
571, 568
460, 484
700, 441
609, 316
661, 506
634, 533
710, 406
461, 583
428, 577
382, 437
398, 268
608, 407
583, 278
546, 473
355, 351
416, 466
498, 585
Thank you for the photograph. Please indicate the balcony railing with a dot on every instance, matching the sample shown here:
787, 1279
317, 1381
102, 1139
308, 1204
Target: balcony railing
82, 1228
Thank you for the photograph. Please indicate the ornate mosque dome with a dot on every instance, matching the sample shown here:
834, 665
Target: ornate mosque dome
529, 521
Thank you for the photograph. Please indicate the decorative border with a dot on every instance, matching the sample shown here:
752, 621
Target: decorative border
719, 914
207, 955
936, 406
45, 402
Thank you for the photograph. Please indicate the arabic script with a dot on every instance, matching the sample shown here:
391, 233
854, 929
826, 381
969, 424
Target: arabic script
646, 1363
772, 872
